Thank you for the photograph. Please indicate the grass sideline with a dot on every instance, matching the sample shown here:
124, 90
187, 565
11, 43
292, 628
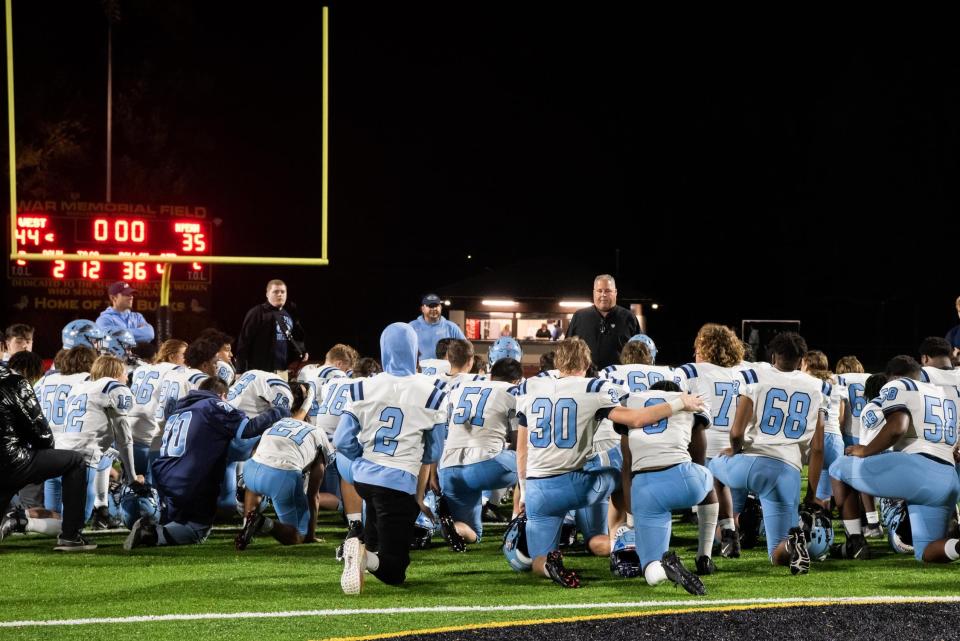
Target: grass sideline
39, 584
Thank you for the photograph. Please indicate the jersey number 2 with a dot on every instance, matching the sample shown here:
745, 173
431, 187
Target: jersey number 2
385, 440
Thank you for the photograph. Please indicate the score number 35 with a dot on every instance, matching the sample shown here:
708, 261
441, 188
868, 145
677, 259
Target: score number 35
194, 242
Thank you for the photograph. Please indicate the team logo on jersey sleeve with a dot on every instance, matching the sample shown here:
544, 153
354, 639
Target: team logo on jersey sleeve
736, 388
614, 394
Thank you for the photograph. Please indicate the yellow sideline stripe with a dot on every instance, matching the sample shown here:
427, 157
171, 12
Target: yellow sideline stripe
598, 617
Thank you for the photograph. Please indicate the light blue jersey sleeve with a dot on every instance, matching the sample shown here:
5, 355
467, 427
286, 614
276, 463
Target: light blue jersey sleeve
345, 438
433, 444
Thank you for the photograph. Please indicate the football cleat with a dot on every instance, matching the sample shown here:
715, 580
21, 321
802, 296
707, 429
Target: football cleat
448, 527
102, 520
855, 547
559, 574
750, 525
15, 520
705, 565
354, 566
797, 547
873, 531
489, 514
142, 534
252, 523
729, 544
568, 531
77, 544
680, 575
354, 530
241, 488
953, 525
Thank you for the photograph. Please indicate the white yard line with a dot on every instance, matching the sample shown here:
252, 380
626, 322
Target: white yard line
204, 616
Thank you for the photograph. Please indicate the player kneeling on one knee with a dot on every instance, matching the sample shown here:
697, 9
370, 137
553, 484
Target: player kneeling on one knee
780, 411
475, 455
920, 427
196, 439
660, 477
287, 451
391, 428
558, 419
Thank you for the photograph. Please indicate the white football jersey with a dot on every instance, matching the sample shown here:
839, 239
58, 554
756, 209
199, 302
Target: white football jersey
786, 406
86, 428
720, 389
481, 417
562, 416
435, 367
831, 422
146, 396
461, 379
52, 391
636, 377
394, 412
256, 391
933, 416
853, 384
871, 421
174, 385
292, 445
605, 437
754, 365
330, 401
941, 377
226, 372
317, 376
666, 442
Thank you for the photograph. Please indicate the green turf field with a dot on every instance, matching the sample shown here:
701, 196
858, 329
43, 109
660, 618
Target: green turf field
39, 584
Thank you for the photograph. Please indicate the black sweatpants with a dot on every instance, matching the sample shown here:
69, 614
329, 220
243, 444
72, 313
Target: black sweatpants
48, 464
389, 529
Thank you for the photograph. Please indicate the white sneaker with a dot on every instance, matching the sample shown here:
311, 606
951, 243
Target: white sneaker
354, 566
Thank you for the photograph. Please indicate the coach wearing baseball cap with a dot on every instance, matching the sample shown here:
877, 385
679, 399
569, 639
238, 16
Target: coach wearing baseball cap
120, 315
431, 326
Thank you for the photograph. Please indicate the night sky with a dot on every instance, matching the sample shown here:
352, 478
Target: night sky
738, 176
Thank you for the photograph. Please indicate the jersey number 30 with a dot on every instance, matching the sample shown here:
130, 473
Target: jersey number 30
556, 422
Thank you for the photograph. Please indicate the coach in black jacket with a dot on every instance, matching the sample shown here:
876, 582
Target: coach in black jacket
27, 456
272, 336
604, 326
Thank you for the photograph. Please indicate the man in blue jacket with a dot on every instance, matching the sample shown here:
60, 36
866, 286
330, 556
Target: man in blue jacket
121, 316
431, 326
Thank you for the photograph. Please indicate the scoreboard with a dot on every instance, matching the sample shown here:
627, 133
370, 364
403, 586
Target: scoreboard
48, 294
46, 233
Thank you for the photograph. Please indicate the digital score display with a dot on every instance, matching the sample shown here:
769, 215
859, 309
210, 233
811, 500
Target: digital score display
92, 235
